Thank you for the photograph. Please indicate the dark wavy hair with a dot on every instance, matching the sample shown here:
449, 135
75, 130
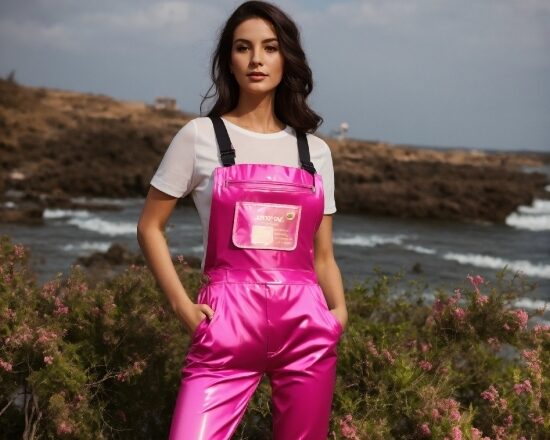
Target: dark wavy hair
296, 84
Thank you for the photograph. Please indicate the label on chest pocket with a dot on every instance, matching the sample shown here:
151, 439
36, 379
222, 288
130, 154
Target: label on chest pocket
259, 225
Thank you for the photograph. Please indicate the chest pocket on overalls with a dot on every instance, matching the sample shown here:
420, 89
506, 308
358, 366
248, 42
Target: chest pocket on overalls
258, 225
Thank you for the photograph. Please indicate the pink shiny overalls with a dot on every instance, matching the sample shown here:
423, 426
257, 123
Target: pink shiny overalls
270, 312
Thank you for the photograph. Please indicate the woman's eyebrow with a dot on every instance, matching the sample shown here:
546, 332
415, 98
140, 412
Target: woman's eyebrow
248, 41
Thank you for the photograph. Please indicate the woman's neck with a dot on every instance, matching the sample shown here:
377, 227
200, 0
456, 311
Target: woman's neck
256, 114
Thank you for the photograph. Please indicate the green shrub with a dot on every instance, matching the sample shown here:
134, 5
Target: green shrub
103, 362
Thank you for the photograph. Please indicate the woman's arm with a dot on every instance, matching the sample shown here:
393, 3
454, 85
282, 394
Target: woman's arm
328, 272
156, 211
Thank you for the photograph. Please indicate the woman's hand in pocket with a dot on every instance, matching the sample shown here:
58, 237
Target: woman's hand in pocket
200, 312
341, 314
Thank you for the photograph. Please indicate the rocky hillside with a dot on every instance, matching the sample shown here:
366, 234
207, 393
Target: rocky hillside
461, 185
56, 144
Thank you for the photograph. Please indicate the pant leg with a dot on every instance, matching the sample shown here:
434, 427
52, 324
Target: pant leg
302, 364
211, 403
224, 364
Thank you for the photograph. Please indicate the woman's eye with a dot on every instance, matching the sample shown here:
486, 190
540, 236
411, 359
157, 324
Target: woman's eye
269, 48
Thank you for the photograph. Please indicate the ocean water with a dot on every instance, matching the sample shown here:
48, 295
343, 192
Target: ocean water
441, 253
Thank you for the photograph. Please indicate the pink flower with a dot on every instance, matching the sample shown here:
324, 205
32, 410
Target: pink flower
499, 431
425, 365
122, 376
523, 387
435, 414
6, 365
64, 428
450, 407
48, 289
539, 420
481, 299
476, 281
60, 308
372, 348
457, 433
437, 307
48, 359
506, 327
476, 434
348, 429
521, 318
78, 399
508, 421
533, 361
459, 313
455, 298
454, 415
540, 329
9, 314
19, 250
424, 347
389, 357
490, 394
45, 336
23, 335
425, 429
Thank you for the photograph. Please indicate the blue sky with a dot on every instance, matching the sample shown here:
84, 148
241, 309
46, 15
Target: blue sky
440, 73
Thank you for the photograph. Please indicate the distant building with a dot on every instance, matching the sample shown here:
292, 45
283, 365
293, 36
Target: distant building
341, 132
165, 103
344, 127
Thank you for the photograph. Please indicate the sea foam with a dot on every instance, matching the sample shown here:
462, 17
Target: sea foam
527, 267
370, 240
104, 227
65, 213
534, 218
100, 246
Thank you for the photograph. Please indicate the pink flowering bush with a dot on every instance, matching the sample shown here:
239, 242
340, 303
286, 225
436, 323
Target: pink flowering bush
85, 361
466, 365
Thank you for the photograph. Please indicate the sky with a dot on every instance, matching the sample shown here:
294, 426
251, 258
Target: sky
437, 73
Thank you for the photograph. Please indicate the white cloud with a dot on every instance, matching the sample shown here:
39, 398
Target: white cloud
419, 71
152, 17
32, 33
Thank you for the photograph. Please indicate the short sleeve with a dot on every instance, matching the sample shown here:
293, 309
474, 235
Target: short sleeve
176, 172
327, 171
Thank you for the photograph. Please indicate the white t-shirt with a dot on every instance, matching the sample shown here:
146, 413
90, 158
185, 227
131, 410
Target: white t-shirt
191, 157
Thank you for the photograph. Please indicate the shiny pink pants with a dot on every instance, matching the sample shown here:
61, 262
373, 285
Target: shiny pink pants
266, 321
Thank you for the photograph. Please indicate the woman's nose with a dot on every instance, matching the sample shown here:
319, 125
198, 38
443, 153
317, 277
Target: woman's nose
256, 57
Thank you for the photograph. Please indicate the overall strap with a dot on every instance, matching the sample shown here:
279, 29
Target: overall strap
303, 151
227, 152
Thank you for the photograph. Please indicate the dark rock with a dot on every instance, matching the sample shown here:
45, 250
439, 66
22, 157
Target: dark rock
62, 144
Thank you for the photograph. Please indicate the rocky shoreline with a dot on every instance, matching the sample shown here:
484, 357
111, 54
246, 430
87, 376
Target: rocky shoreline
58, 145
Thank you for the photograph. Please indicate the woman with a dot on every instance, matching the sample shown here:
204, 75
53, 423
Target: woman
273, 301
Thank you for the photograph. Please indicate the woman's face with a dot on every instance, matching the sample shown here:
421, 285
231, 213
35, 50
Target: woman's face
256, 49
